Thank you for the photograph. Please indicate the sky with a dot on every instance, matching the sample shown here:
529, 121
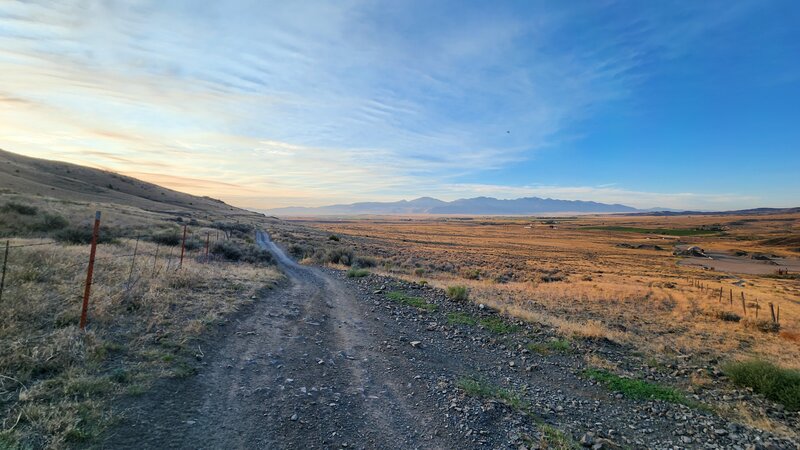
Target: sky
677, 104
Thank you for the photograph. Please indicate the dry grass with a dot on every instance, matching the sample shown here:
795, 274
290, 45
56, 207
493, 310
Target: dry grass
55, 380
583, 282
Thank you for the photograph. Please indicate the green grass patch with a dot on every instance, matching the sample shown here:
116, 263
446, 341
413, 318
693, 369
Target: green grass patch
554, 346
461, 318
664, 231
357, 273
556, 439
457, 293
409, 300
478, 388
498, 326
775, 383
637, 389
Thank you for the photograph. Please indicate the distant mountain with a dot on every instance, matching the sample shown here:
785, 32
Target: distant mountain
466, 206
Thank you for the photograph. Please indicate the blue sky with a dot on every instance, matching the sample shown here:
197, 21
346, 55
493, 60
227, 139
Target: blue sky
673, 104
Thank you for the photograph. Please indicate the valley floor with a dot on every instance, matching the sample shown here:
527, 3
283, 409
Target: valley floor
328, 361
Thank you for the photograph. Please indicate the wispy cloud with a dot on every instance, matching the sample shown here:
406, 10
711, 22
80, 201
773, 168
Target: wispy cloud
264, 104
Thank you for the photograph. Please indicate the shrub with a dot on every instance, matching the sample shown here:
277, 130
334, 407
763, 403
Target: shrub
364, 262
51, 222
233, 251
357, 273
333, 237
227, 249
82, 235
457, 293
168, 238
19, 208
728, 316
335, 256
193, 244
470, 274
775, 383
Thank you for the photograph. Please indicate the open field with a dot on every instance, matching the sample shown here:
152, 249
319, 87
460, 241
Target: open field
594, 276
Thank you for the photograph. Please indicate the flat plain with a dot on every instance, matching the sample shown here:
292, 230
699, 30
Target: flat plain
613, 277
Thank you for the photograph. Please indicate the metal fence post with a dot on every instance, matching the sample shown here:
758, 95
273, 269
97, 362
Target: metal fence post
183, 247
87, 290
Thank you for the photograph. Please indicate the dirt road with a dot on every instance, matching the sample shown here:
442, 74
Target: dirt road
330, 362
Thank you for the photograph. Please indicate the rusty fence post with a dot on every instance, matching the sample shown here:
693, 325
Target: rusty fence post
3, 279
183, 247
90, 270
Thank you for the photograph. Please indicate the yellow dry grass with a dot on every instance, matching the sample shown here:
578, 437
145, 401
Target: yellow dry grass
582, 281
55, 380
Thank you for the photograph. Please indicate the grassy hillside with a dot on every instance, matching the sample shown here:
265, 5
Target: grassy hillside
148, 313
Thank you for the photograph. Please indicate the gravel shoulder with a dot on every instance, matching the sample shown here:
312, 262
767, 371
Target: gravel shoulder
334, 362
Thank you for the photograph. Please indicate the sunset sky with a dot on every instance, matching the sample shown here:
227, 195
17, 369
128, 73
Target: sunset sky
264, 104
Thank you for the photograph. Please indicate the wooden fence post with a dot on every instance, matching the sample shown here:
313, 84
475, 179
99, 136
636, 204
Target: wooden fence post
90, 270
744, 306
183, 247
3, 279
772, 312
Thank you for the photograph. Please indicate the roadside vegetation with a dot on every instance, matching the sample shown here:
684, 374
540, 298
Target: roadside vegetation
637, 389
146, 320
776, 383
408, 300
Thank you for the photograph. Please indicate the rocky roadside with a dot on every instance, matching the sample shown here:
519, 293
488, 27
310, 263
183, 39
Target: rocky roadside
512, 387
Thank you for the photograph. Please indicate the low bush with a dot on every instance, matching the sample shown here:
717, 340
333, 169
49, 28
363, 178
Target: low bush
364, 262
168, 238
235, 251
333, 237
728, 316
775, 383
334, 256
457, 293
19, 208
357, 273
82, 235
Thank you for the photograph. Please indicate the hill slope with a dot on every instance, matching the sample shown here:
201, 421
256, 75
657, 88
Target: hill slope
31, 176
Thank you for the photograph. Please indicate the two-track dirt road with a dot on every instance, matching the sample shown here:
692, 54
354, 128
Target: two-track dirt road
328, 362
298, 372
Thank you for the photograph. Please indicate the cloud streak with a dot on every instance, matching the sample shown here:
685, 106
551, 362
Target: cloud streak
263, 104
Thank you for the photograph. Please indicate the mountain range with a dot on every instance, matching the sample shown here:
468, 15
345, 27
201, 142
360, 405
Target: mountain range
467, 206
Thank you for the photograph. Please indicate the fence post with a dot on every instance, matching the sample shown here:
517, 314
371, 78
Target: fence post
744, 307
183, 246
208, 238
133, 261
87, 290
3, 279
720, 295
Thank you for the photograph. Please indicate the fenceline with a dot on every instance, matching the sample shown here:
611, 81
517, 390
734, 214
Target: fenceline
95, 260
755, 305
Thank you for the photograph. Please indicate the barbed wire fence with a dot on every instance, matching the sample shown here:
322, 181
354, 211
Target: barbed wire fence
162, 261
